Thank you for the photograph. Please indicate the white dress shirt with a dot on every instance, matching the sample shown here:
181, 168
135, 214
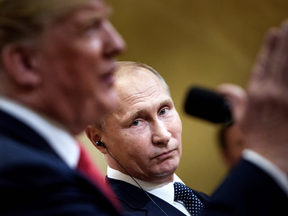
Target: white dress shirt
164, 191
56, 135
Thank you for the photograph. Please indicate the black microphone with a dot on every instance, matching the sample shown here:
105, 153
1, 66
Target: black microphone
207, 105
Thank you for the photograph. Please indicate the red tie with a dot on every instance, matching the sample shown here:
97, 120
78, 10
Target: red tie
86, 166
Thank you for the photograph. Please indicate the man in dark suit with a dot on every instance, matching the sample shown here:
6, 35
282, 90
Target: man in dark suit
144, 137
57, 63
141, 140
136, 202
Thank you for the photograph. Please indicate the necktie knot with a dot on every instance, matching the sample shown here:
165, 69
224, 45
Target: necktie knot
184, 194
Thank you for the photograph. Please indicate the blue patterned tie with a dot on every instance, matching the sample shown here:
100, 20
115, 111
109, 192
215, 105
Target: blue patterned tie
190, 200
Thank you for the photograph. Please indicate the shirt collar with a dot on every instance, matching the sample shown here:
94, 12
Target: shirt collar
164, 191
59, 139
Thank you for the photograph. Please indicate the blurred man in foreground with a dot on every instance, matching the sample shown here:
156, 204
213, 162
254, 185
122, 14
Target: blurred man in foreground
57, 65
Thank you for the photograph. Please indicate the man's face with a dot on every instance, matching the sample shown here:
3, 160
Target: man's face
144, 133
76, 59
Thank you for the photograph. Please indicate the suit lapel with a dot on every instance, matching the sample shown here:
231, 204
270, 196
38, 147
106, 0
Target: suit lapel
166, 207
138, 201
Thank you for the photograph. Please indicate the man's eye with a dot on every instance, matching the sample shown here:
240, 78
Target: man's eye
136, 123
93, 26
96, 24
163, 111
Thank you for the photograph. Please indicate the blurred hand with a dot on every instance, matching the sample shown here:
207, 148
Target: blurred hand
262, 112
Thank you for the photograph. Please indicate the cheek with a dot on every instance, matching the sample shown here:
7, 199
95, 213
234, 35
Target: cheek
175, 127
90, 51
103, 100
95, 46
138, 144
82, 57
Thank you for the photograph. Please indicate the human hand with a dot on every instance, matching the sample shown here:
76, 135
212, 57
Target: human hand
262, 113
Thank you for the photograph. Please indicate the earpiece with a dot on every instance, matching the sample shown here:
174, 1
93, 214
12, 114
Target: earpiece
99, 143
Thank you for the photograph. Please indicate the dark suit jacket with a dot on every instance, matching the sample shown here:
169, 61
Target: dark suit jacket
248, 191
136, 202
35, 181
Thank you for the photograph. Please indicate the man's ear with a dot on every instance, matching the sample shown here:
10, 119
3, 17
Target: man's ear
95, 135
18, 61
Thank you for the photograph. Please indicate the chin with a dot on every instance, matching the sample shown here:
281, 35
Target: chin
167, 171
163, 177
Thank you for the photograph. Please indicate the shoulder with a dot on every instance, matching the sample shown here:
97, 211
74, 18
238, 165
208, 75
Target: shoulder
248, 190
42, 184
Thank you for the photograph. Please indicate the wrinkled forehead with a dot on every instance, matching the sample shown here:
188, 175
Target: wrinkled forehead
139, 90
68, 8
137, 82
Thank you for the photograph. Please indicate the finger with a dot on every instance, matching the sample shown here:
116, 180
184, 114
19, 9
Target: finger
231, 90
281, 55
262, 65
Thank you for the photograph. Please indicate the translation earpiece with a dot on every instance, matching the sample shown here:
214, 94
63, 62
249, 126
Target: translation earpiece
99, 143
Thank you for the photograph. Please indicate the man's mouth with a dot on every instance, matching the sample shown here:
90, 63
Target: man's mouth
109, 76
164, 154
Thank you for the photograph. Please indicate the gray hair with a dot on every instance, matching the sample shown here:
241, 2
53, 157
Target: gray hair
124, 65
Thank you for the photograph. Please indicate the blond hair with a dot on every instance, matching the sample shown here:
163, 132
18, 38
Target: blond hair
21, 21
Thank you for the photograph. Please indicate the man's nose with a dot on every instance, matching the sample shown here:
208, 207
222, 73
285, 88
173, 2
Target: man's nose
115, 44
160, 134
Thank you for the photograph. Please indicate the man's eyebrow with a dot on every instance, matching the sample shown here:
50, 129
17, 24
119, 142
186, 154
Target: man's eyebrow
168, 101
137, 113
134, 115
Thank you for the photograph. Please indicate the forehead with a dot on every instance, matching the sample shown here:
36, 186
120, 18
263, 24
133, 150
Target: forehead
95, 7
139, 91
139, 85
87, 12
71, 24
74, 11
